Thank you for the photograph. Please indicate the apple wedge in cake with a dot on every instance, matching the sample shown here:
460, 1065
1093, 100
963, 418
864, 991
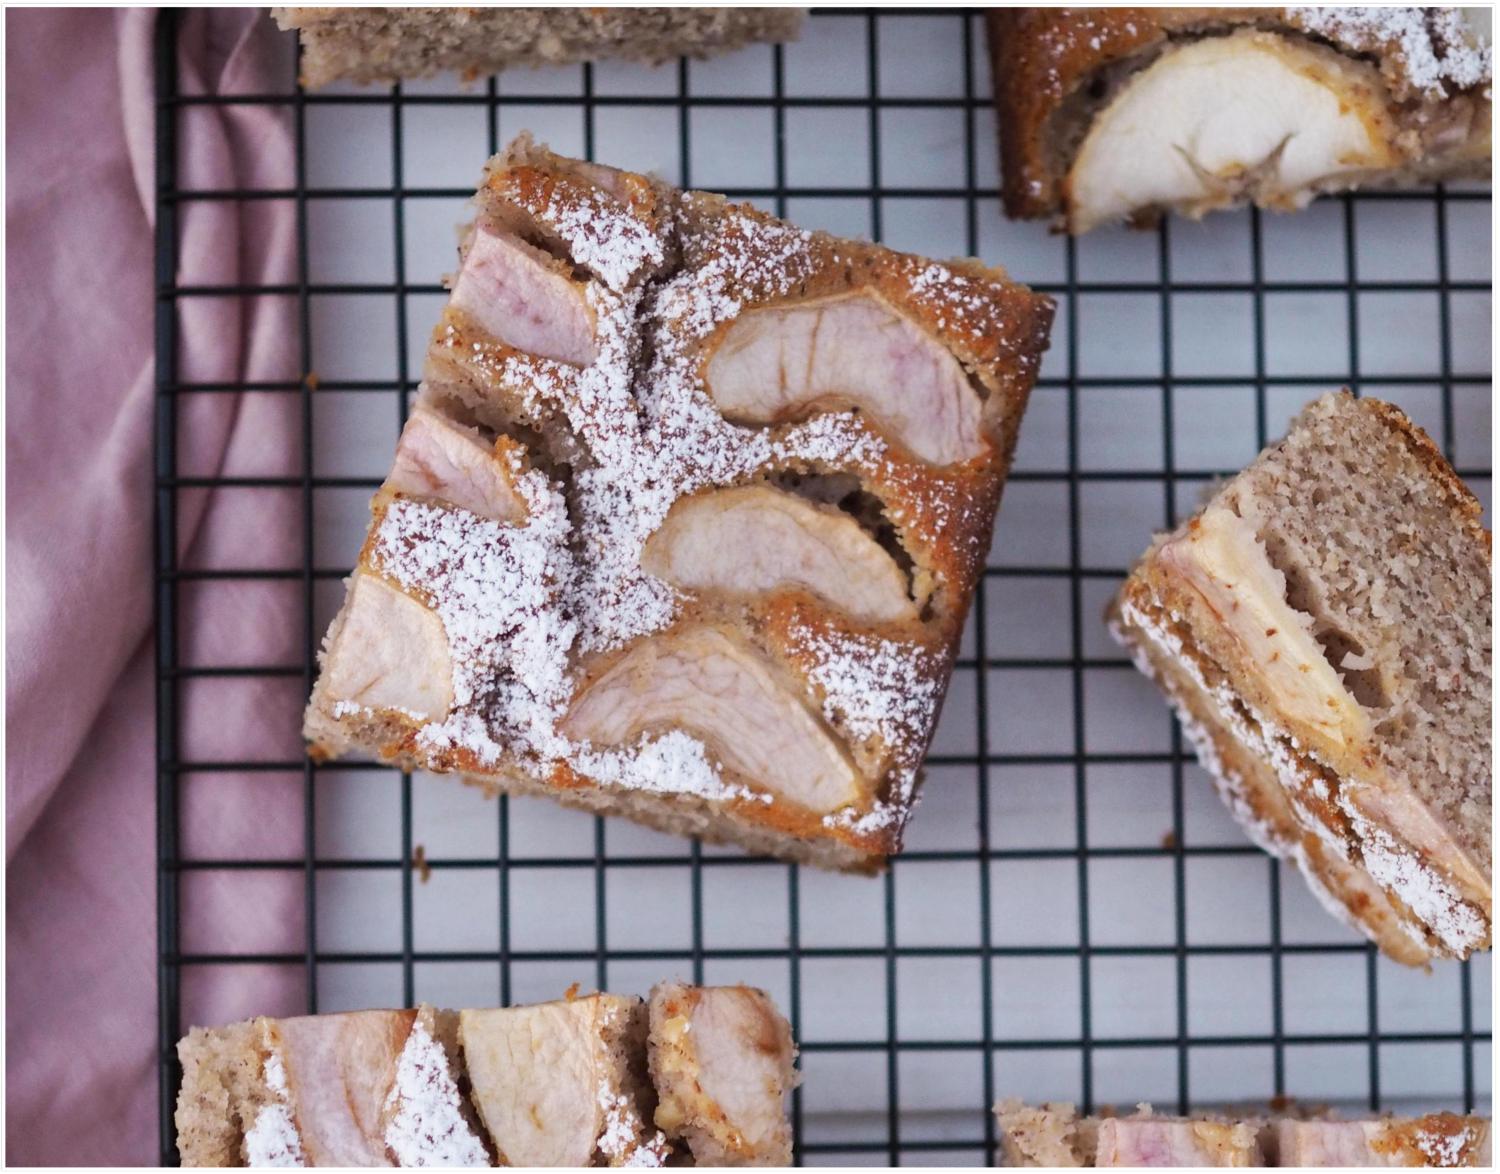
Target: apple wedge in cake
563, 1083
1116, 114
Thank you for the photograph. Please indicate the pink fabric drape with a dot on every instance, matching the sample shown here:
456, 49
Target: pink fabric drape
81, 1011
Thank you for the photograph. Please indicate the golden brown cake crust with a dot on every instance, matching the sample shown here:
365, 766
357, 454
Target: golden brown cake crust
1043, 56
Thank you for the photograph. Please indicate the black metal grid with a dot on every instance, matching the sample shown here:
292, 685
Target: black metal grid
888, 1139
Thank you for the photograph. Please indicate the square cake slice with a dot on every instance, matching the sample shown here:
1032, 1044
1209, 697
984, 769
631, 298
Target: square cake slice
686, 520
1323, 627
722, 1061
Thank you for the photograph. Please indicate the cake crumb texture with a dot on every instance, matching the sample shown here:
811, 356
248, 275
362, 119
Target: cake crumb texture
388, 44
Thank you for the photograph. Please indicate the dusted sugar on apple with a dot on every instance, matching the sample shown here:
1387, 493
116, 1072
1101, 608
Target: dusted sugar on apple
687, 518
1323, 627
1115, 114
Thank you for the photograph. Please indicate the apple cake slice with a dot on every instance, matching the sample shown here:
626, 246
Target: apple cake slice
686, 520
1110, 114
1056, 1135
566, 1083
387, 44
1323, 627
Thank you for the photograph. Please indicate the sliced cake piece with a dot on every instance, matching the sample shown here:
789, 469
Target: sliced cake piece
564, 1083
722, 1061
687, 519
387, 44
1323, 627
1055, 1135
363, 1088
1438, 1139
1111, 114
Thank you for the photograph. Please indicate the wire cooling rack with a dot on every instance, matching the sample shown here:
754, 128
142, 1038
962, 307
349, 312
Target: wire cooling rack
1075, 917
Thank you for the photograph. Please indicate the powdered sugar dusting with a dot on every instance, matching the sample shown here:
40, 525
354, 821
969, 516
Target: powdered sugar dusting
347, 708
1431, 897
1437, 49
950, 295
1443, 1148
673, 763
603, 237
272, 1140
883, 695
424, 1126
654, 1152
874, 689
495, 588
622, 1138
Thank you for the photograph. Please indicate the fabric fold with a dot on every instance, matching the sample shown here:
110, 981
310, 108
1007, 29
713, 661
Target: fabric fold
81, 826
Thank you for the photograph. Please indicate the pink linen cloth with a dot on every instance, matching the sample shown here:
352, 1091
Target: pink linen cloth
81, 935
